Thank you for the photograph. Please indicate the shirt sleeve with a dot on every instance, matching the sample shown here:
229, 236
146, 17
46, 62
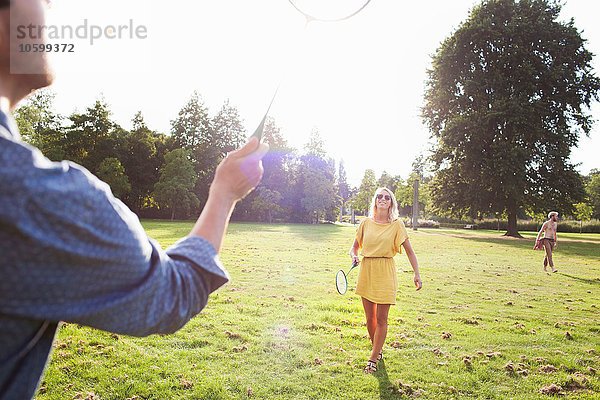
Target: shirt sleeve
73, 252
401, 236
360, 232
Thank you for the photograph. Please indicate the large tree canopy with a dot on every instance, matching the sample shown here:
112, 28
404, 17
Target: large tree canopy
507, 98
593, 191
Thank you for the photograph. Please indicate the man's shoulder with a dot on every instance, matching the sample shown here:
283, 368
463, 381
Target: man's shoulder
8, 127
19, 158
5, 133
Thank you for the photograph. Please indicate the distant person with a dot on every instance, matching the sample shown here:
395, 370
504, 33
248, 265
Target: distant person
380, 236
546, 239
70, 251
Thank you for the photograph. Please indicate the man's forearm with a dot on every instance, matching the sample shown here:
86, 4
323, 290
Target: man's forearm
213, 221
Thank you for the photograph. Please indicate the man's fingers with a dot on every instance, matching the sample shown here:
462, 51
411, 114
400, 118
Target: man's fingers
251, 145
260, 152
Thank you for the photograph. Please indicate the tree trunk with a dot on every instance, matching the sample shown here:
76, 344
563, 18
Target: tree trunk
172, 214
512, 220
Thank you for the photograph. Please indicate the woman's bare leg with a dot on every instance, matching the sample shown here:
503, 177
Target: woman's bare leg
381, 330
371, 316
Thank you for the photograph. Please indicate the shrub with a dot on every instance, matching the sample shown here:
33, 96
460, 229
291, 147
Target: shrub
423, 223
532, 226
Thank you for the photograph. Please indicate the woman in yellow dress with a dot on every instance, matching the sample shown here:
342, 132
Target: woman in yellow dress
380, 236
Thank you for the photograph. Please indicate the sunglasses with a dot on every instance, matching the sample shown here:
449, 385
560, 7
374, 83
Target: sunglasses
384, 196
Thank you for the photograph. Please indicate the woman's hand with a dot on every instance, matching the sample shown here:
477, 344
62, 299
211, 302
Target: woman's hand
417, 280
235, 177
354, 252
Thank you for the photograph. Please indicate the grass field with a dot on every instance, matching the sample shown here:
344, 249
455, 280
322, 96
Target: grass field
488, 324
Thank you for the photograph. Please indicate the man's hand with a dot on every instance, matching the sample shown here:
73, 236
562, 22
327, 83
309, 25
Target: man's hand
239, 172
235, 177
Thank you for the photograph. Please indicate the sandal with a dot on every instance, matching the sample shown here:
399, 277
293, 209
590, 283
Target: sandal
371, 367
380, 356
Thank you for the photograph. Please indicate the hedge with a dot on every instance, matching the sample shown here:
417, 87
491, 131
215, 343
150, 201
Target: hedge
530, 226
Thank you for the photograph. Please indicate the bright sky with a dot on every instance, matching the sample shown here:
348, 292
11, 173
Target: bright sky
360, 82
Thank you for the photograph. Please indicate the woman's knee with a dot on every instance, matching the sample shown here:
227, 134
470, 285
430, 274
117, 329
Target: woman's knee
382, 322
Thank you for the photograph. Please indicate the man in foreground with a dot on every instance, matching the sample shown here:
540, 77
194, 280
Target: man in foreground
70, 251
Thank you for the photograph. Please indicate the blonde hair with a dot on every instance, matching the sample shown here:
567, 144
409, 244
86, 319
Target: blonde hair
392, 211
551, 213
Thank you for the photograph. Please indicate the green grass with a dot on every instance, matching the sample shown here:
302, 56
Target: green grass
279, 330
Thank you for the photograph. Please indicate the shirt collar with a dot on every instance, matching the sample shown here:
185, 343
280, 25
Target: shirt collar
8, 127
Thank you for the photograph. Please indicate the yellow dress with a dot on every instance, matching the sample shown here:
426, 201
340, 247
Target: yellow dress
377, 281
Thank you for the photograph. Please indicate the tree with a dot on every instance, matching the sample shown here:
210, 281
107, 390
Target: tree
343, 187
93, 136
315, 146
368, 185
276, 176
191, 130
141, 161
388, 181
505, 100
405, 190
192, 125
175, 187
112, 172
592, 189
266, 203
228, 129
275, 162
40, 125
319, 193
405, 194
292, 196
583, 212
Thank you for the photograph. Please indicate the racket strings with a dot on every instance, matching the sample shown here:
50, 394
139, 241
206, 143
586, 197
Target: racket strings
311, 16
341, 282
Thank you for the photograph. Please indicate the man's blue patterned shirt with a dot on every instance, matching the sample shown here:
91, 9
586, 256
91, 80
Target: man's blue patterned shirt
70, 251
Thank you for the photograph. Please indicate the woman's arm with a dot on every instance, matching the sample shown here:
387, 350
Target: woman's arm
354, 251
412, 257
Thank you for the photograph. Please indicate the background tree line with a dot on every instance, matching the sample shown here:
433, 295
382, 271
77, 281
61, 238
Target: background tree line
168, 176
